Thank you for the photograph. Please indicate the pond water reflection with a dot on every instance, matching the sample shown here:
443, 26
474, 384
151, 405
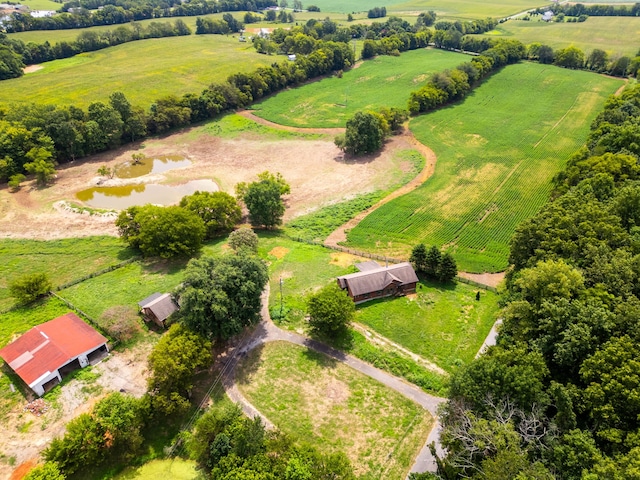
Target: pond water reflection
151, 165
126, 196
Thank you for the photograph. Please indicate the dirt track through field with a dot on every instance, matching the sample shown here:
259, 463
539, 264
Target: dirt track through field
323, 131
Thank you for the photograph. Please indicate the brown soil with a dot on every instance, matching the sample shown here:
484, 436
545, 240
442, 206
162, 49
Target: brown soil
32, 68
120, 371
316, 170
491, 279
279, 252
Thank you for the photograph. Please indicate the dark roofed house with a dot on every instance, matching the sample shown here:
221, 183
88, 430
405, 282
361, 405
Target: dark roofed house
374, 281
157, 308
47, 352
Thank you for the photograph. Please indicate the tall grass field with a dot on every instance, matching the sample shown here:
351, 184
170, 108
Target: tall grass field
497, 152
382, 81
144, 71
596, 32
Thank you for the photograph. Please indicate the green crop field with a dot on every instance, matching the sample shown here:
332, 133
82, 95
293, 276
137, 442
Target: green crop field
596, 32
497, 152
144, 71
444, 324
383, 81
328, 404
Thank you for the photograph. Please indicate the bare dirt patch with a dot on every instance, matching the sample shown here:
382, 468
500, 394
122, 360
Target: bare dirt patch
343, 259
490, 279
315, 169
32, 68
24, 436
279, 252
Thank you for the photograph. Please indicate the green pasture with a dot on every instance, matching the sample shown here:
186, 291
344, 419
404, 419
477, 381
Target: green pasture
330, 405
62, 260
382, 81
40, 4
497, 152
466, 9
597, 32
144, 71
444, 324
173, 468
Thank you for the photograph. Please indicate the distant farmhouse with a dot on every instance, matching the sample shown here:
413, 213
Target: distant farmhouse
374, 281
547, 16
157, 308
46, 353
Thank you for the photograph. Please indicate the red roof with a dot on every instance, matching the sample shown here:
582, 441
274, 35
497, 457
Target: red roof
47, 347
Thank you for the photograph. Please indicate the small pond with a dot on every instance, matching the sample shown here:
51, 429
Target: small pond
126, 196
150, 166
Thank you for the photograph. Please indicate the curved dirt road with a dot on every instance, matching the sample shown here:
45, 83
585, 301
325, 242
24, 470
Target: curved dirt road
267, 331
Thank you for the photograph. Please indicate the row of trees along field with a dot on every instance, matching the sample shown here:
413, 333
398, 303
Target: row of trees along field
90, 13
558, 397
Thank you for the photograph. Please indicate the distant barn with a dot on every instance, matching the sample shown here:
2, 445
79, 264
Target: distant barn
374, 281
157, 308
46, 353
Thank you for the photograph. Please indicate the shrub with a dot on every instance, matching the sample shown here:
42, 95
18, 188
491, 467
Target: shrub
30, 287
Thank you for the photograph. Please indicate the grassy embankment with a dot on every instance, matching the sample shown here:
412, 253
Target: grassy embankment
333, 407
165, 66
596, 32
497, 153
383, 81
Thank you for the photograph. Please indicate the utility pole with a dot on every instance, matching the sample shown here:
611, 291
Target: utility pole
281, 303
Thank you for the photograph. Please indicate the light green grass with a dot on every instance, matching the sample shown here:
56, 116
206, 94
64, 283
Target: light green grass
469, 9
144, 71
596, 32
334, 407
174, 469
41, 4
444, 324
497, 152
62, 260
20, 320
383, 81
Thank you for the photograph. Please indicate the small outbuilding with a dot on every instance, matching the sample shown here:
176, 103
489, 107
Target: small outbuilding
46, 353
374, 281
547, 16
157, 308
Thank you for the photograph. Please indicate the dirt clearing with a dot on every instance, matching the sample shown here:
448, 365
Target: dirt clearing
315, 169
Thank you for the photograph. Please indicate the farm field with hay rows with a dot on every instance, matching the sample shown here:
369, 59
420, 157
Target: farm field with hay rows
497, 153
383, 81
144, 71
596, 32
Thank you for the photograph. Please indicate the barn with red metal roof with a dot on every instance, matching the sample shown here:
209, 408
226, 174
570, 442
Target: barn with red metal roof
44, 354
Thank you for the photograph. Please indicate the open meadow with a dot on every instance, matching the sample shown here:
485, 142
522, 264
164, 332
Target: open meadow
144, 71
497, 153
333, 407
596, 32
382, 81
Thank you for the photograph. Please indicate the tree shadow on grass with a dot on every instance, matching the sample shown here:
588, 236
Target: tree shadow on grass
246, 364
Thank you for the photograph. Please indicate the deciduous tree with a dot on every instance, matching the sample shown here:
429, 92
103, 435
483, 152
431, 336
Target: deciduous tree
219, 211
330, 311
30, 287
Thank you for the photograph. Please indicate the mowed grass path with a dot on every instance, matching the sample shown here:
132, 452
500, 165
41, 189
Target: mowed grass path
144, 71
382, 81
497, 153
444, 324
596, 32
330, 405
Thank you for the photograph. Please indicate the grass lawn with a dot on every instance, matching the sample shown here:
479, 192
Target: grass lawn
164, 66
62, 260
174, 468
382, 81
334, 407
497, 153
444, 324
596, 32
40, 4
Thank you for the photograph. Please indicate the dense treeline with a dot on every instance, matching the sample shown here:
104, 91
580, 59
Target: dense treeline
558, 397
89, 41
578, 9
112, 12
34, 137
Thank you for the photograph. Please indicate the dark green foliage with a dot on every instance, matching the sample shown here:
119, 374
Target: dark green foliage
172, 365
219, 211
110, 431
448, 269
228, 445
418, 257
162, 231
263, 199
30, 287
365, 133
331, 311
220, 296
11, 65
434, 264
